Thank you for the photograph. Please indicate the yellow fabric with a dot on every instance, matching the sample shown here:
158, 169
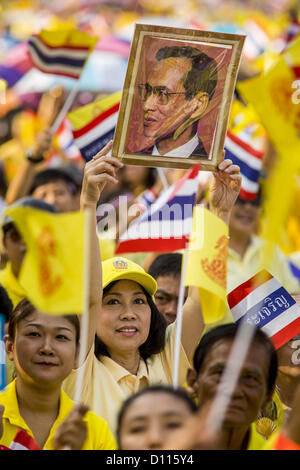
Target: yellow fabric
271, 94
256, 441
52, 270
240, 269
206, 267
274, 97
85, 114
14, 290
106, 384
68, 37
98, 437
122, 268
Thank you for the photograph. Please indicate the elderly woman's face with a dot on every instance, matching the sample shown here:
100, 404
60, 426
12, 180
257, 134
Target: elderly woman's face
124, 320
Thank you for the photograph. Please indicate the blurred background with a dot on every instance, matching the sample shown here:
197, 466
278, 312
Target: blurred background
33, 99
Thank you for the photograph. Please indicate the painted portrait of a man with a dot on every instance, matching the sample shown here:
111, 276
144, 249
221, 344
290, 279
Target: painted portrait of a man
177, 95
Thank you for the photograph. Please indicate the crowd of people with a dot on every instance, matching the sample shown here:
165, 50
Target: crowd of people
128, 398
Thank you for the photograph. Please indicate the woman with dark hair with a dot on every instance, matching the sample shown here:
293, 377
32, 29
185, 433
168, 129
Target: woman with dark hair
148, 419
135, 348
44, 349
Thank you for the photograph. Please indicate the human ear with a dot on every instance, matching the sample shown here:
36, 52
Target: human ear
9, 347
194, 108
200, 103
192, 387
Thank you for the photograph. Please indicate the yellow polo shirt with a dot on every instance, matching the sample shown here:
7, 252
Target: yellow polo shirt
98, 437
106, 384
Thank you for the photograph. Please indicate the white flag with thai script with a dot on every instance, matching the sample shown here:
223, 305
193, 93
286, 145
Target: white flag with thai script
265, 303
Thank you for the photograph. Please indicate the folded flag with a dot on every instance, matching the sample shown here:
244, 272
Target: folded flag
167, 224
22, 441
264, 302
61, 52
207, 262
249, 160
94, 124
52, 270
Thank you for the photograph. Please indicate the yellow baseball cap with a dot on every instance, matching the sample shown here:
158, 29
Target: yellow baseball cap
115, 269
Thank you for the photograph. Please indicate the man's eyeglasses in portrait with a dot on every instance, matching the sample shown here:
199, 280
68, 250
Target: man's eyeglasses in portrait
161, 94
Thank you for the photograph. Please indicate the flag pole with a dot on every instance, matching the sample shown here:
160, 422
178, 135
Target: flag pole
230, 376
163, 178
84, 327
67, 105
179, 319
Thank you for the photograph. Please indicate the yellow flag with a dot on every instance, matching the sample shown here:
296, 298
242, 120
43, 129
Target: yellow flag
274, 97
207, 262
52, 270
84, 115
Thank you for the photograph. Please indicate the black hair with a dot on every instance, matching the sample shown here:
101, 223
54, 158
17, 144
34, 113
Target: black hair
27, 201
50, 175
167, 264
229, 331
175, 392
155, 342
203, 75
25, 308
6, 305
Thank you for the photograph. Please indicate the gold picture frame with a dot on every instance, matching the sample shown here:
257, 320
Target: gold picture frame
146, 132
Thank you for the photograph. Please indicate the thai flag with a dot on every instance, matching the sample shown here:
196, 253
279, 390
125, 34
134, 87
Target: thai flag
22, 441
250, 162
167, 224
66, 60
264, 302
66, 141
93, 136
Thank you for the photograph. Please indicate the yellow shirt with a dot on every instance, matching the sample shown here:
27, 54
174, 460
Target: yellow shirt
14, 290
98, 437
106, 384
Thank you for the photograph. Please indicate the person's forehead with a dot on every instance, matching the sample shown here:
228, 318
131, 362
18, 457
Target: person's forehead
168, 283
156, 404
52, 185
220, 350
172, 68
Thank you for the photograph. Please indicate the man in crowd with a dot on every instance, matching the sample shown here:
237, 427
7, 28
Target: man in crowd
166, 270
175, 96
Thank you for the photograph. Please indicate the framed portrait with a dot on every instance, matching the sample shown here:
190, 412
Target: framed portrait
176, 97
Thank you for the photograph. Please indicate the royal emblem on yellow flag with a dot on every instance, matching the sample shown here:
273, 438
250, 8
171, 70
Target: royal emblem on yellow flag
207, 262
52, 270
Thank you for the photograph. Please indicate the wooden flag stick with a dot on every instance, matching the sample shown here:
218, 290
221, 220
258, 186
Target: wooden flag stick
67, 105
163, 178
230, 376
84, 327
179, 319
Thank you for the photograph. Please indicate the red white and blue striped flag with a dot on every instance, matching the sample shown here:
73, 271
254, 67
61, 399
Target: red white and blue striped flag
94, 124
250, 162
61, 52
167, 224
264, 302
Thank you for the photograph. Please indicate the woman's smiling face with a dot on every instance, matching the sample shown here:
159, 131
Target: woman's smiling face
125, 317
